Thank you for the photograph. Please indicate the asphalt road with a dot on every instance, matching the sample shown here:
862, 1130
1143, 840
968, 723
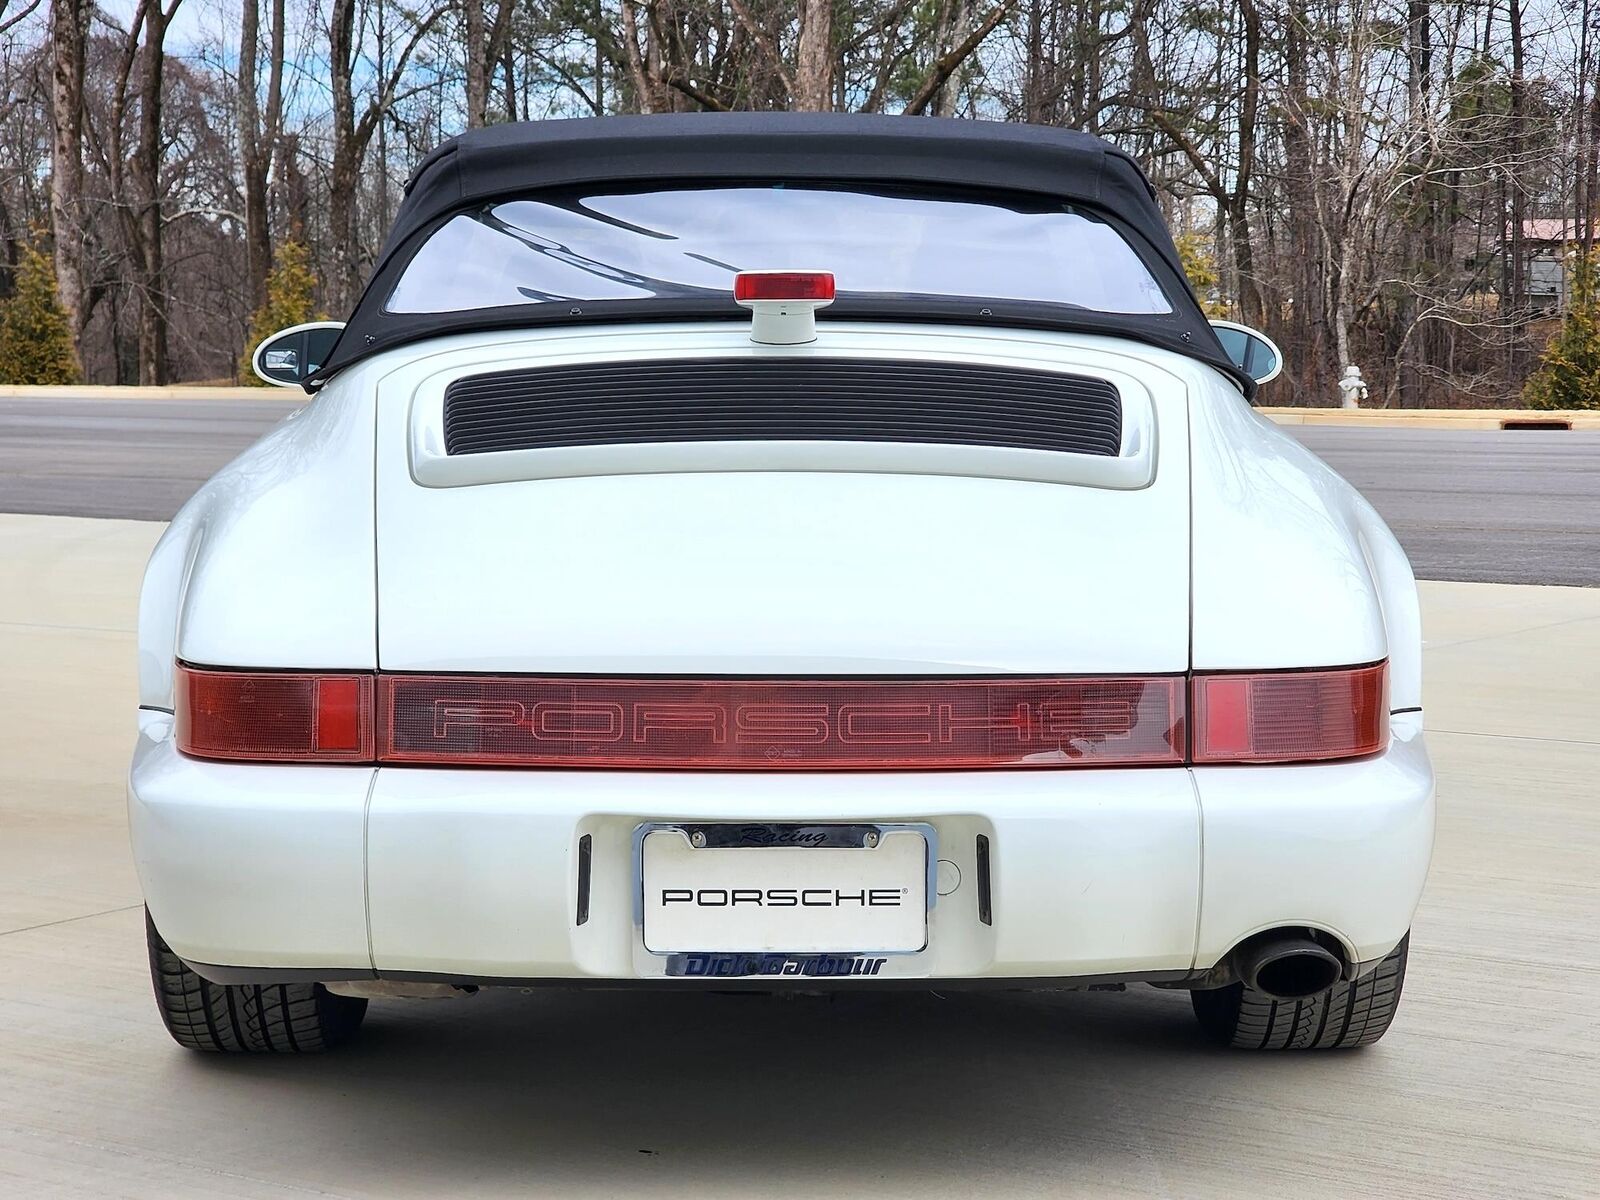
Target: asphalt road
121, 458
1512, 506
1502, 507
1484, 1087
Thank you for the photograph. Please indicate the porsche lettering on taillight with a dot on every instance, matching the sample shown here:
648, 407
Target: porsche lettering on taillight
781, 724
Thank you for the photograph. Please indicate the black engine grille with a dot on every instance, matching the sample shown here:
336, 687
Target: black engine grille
781, 399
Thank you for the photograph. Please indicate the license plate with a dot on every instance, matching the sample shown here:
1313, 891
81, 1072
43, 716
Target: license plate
705, 889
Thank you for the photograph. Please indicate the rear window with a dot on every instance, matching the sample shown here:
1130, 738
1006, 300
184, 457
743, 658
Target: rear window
690, 242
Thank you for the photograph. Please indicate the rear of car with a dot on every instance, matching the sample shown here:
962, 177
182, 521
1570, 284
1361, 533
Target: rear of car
938, 650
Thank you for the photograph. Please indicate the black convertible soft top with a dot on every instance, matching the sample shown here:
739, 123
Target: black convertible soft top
516, 160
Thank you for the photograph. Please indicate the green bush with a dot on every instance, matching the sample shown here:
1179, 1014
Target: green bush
291, 300
1569, 374
35, 333
1200, 265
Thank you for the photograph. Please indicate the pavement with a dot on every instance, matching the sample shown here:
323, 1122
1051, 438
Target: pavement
1484, 1087
1511, 507
93, 456
1519, 506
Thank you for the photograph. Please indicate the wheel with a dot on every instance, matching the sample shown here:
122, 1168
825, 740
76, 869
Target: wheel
288, 1018
1345, 1016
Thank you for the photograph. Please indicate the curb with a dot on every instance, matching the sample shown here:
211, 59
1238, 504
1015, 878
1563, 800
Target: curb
175, 392
1437, 418
1406, 418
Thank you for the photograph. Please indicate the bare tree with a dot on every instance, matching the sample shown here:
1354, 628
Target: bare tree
69, 36
1372, 181
954, 49
813, 73
147, 164
476, 51
352, 135
259, 130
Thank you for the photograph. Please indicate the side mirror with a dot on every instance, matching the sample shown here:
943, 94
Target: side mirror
288, 356
1252, 351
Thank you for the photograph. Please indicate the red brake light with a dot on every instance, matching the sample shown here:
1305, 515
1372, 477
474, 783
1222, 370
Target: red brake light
1291, 716
265, 716
783, 285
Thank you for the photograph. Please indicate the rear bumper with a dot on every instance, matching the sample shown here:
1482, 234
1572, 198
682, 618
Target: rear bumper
346, 872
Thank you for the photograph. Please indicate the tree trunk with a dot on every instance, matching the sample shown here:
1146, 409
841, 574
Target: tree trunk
69, 29
147, 170
252, 159
477, 67
499, 51
1033, 64
1416, 225
8, 261
345, 168
1583, 115
1519, 207
599, 56
813, 75
945, 104
296, 191
1239, 231
644, 62
1307, 349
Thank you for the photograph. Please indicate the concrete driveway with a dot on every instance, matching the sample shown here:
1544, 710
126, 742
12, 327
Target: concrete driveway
1486, 1085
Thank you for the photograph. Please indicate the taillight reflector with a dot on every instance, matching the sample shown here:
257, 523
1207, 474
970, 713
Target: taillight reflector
263, 716
1291, 716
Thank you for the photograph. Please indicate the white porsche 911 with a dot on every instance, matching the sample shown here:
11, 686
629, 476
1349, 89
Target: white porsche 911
609, 619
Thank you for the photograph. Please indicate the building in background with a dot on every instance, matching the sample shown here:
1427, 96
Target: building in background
1549, 243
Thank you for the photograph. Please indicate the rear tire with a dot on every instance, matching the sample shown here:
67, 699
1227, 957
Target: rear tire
1344, 1017
287, 1018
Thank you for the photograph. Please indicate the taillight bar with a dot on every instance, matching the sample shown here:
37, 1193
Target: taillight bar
782, 724
779, 724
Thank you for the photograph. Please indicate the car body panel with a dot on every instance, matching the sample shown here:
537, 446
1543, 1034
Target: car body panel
472, 874
1338, 846
1291, 565
272, 562
745, 570
238, 859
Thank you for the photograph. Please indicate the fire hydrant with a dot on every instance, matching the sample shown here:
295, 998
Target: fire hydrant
1352, 388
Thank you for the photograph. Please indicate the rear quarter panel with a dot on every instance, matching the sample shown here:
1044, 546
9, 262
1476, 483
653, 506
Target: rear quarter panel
1292, 566
271, 563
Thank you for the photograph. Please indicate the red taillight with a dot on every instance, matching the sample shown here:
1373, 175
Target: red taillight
781, 724
1291, 716
783, 285
266, 716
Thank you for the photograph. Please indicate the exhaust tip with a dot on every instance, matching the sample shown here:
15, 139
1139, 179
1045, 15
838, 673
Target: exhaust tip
1287, 966
1298, 974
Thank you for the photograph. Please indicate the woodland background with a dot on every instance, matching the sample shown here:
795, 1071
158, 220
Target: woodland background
1407, 185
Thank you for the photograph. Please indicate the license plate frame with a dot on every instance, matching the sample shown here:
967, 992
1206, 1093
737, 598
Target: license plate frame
862, 837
